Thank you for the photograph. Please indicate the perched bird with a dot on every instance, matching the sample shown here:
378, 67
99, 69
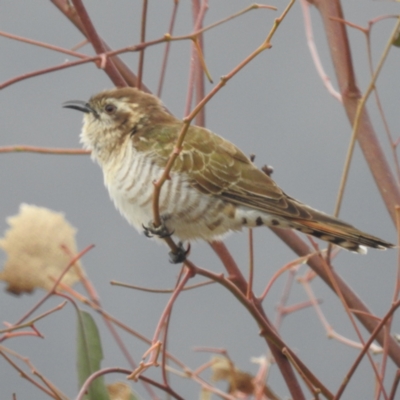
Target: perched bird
214, 188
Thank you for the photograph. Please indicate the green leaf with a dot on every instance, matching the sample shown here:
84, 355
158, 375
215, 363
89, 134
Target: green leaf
89, 356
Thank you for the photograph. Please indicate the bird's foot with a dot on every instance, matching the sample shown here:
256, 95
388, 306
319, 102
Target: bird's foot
179, 256
160, 231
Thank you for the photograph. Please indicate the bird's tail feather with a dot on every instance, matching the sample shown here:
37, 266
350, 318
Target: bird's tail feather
342, 234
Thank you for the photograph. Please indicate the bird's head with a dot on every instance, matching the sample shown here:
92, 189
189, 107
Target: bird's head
113, 116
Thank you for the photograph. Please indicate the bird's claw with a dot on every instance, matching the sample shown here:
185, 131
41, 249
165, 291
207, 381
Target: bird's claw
179, 256
160, 231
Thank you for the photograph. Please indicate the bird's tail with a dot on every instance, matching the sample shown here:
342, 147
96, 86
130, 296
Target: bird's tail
340, 233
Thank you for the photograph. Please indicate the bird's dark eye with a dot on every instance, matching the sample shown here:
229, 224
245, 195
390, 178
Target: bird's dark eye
110, 108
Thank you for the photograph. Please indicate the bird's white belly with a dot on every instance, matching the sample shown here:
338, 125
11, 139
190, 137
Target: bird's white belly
186, 212
130, 185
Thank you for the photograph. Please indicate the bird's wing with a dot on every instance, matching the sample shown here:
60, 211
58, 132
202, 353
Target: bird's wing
217, 167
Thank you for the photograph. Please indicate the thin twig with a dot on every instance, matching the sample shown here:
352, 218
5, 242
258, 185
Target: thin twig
149, 290
293, 265
354, 302
187, 120
330, 332
142, 40
109, 54
21, 148
251, 265
365, 349
167, 47
357, 118
267, 332
167, 310
337, 289
395, 385
106, 371
305, 5
51, 393
52, 290
97, 43
42, 44
15, 327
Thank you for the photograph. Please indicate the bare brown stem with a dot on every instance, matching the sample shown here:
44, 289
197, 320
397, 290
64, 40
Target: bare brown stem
51, 292
395, 385
187, 275
167, 47
149, 290
51, 393
349, 296
341, 56
198, 62
249, 292
106, 371
97, 43
108, 54
314, 52
42, 44
268, 332
31, 322
373, 336
142, 40
187, 120
312, 389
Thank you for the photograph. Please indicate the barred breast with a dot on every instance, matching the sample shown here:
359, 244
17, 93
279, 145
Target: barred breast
191, 215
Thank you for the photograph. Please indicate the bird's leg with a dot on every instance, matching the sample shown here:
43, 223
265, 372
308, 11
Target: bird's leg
160, 231
175, 257
178, 256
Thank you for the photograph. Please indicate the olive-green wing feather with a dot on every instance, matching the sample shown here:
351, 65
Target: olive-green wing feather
225, 171
219, 168
215, 166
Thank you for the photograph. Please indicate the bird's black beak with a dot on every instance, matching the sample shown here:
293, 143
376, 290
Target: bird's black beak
80, 106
